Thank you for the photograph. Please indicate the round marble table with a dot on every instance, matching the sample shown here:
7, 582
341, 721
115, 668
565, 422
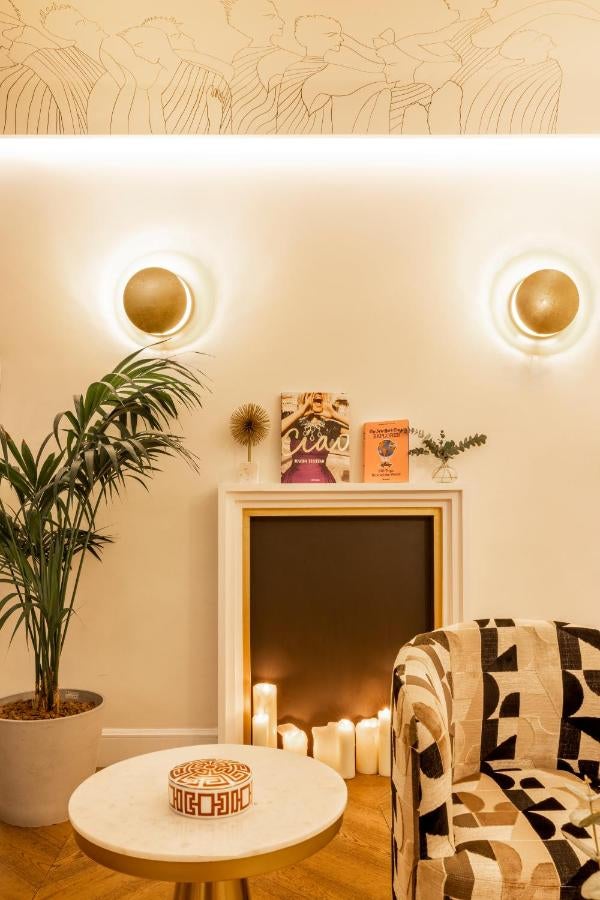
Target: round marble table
122, 819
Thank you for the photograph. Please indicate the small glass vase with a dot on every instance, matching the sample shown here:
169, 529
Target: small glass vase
444, 473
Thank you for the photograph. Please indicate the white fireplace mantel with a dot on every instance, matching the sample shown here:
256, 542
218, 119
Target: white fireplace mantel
235, 499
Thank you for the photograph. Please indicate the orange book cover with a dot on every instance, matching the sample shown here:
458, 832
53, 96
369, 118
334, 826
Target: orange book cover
385, 451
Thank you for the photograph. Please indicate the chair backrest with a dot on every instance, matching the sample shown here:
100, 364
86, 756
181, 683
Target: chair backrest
524, 694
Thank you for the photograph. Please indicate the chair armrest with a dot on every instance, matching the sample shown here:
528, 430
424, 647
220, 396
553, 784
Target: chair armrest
421, 766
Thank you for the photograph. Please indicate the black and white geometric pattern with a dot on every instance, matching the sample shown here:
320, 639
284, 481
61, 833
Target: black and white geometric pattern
496, 723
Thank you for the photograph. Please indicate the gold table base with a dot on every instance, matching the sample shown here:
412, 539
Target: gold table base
213, 890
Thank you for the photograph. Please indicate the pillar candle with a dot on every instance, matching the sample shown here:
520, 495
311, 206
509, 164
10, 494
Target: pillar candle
264, 698
294, 739
326, 745
385, 754
367, 746
260, 730
347, 748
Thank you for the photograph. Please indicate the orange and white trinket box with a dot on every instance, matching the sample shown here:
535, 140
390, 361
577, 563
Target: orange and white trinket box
210, 788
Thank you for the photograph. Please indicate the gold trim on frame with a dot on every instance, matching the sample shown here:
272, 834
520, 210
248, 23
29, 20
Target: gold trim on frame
219, 870
433, 512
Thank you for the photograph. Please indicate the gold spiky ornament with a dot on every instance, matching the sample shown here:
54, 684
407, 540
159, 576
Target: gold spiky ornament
249, 425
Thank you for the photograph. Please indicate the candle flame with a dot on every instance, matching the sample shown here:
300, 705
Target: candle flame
264, 687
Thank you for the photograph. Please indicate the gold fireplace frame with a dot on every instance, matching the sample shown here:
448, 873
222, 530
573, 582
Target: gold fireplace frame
434, 513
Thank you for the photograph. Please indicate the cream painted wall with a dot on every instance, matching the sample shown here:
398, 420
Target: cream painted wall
353, 264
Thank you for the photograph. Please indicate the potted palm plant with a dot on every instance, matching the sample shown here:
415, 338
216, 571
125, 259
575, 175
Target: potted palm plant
118, 431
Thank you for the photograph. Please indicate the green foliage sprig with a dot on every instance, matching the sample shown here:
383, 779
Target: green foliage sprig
443, 448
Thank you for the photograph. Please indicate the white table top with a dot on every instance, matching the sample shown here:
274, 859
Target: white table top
124, 808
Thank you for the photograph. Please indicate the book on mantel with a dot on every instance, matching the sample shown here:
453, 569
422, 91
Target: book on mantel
315, 438
385, 451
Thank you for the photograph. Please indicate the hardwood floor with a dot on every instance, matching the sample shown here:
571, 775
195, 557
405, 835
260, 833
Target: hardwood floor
45, 864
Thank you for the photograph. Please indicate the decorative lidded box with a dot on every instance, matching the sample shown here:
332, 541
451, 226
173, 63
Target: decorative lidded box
210, 788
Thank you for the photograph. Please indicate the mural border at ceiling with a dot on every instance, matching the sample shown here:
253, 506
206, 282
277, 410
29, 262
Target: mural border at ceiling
489, 71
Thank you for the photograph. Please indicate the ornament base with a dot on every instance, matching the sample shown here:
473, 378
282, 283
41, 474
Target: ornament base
248, 472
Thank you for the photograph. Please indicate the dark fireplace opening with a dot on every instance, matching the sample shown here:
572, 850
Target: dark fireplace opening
332, 598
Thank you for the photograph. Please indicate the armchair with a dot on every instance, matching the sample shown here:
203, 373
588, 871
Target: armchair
495, 725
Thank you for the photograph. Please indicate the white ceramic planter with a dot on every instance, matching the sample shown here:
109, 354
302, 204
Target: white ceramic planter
43, 761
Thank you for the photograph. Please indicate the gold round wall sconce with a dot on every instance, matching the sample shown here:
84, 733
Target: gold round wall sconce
542, 302
157, 301
545, 303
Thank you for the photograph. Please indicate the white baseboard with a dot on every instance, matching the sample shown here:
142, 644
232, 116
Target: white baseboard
121, 743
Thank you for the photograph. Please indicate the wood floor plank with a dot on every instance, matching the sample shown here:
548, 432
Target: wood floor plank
355, 866
369, 790
75, 876
26, 857
45, 864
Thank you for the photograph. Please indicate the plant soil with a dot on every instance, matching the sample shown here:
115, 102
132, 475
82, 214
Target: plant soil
24, 710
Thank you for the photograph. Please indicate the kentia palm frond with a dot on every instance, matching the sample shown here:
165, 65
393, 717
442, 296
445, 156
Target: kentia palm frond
120, 429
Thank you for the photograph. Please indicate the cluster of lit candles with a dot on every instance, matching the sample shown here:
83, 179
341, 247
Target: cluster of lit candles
348, 748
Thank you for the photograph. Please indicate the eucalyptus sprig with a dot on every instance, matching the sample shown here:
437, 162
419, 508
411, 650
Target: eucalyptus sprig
443, 448
119, 430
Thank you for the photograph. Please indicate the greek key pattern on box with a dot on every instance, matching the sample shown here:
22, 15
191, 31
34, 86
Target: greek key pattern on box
210, 788
211, 805
210, 773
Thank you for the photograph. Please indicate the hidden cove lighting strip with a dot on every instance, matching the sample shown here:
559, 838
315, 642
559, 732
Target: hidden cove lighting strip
265, 151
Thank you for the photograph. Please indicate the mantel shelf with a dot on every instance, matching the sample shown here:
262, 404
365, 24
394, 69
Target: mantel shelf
270, 487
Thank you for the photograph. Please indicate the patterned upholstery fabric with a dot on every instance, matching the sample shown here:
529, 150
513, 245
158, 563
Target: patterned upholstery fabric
495, 725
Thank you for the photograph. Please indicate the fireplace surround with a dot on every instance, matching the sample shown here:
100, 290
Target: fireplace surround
241, 505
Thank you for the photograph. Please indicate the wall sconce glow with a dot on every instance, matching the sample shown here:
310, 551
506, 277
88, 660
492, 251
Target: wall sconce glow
167, 296
545, 303
541, 303
157, 301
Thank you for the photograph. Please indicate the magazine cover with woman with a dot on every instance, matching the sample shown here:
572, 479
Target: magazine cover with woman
315, 438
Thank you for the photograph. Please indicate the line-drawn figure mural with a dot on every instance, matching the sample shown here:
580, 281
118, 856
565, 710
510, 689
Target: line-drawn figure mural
483, 39
47, 90
252, 67
413, 73
295, 115
27, 105
185, 45
516, 93
185, 98
562, 26
337, 87
258, 67
115, 104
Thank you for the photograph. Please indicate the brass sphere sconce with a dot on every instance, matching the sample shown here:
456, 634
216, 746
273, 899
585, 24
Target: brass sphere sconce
165, 298
542, 302
545, 303
157, 301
